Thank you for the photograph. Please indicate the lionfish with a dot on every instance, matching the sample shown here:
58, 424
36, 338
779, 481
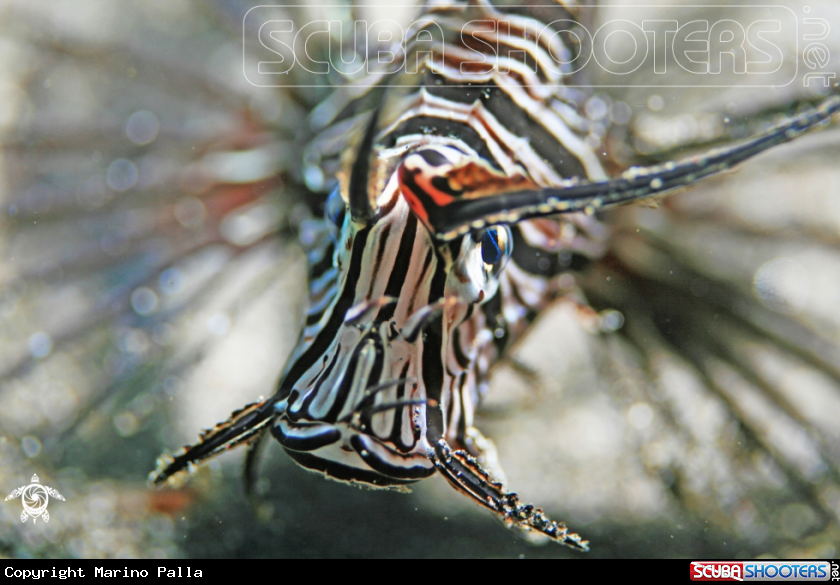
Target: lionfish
460, 202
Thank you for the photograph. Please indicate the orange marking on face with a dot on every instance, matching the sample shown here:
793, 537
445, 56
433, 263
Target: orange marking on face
408, 177
477, 179
441, 199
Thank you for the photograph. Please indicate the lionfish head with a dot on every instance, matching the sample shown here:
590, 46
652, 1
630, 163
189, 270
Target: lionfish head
393, 325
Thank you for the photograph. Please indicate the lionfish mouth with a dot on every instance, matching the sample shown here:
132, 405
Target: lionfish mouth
348, 449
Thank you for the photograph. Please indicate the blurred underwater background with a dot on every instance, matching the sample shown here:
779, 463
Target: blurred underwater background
151, 282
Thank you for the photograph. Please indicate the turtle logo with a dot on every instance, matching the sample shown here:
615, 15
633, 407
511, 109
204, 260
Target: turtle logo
35, 499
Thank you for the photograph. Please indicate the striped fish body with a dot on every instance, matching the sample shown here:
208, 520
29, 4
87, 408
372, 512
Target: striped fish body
437, 140
403, 328
410, 309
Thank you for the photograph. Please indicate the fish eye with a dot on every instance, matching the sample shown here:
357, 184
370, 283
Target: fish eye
334, 211
496, 245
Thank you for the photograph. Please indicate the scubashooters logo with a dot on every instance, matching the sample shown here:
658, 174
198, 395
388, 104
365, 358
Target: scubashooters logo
739, 46
35, 498
763, 571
